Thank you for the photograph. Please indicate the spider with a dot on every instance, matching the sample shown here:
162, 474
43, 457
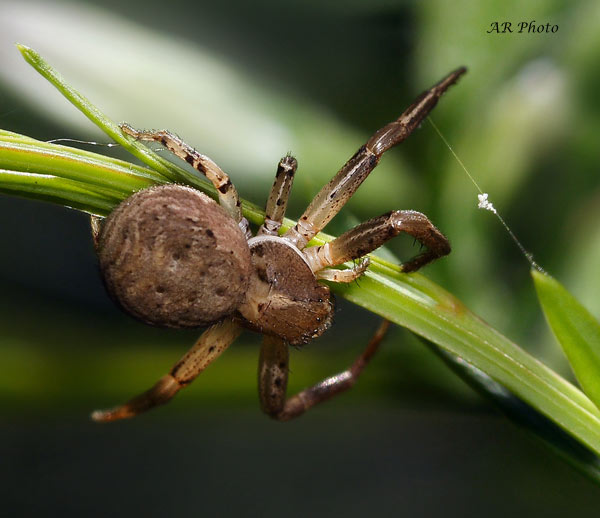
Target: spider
171, 256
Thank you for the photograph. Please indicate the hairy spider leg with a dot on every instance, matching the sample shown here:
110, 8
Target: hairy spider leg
372, 234
228, 195
334, 195
207, 348
273, 375
279, 195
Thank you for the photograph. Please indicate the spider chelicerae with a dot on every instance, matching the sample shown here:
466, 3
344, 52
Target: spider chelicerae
171, 256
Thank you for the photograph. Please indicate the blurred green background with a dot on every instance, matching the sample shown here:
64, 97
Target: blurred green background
246, 83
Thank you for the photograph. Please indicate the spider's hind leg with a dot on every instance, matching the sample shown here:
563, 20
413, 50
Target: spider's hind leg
273, 374
208, 348
228, 195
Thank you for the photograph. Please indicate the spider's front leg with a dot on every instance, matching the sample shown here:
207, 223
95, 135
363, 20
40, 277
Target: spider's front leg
279, 195
273, 376
208, 348
372, 234
333, 196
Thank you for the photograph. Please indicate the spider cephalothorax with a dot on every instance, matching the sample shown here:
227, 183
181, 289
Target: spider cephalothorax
171, 256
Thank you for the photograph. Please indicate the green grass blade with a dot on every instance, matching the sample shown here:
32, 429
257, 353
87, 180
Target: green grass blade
418, 304
408, 300
577, 331
524, 415
159, 164
28, 155
55, 189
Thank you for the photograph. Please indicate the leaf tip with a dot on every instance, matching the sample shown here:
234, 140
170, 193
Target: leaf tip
28, 53
540, 276
23, 49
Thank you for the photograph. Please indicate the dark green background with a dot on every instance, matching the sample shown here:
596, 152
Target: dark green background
410, 438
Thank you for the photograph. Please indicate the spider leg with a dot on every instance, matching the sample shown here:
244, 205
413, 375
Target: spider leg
228, 195
95, 224
279, 195
209, 346
333, 196
372, 234
273, 374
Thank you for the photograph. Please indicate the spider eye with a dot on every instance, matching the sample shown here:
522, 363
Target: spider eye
172, 257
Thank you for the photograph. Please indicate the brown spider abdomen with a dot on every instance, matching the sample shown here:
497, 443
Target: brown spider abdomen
172, 257
284, 298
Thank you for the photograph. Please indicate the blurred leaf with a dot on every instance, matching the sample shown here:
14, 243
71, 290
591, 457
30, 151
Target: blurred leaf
160, 81
577, 331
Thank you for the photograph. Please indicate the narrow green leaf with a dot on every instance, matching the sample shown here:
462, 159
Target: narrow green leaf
577, 331
408, 300
168, 170
29, 155
418, 304
523, 415
70, 193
